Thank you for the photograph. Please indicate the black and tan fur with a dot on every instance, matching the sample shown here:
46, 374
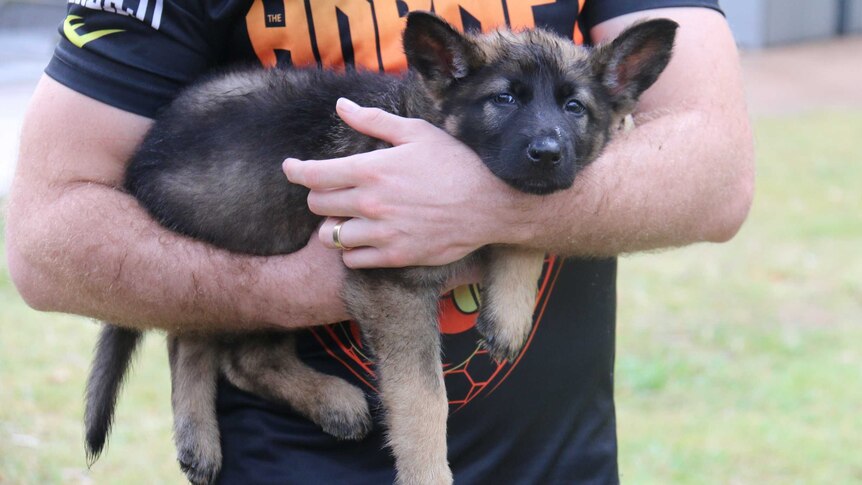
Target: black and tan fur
533, 106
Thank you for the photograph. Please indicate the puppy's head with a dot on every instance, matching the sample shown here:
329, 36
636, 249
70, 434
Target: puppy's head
534, 106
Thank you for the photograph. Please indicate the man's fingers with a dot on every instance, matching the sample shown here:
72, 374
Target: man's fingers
327, 234
472, 274
330, 174
380, 124
369, 257
334, 203
351, 202
353, 233
359, 244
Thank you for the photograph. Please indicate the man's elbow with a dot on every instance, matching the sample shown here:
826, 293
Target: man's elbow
27, 262
735, 197
734, 214
27, 277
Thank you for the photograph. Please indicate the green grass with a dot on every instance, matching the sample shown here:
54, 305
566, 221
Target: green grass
737, 363
742, 363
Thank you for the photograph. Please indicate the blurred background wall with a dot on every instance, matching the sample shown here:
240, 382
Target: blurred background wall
760, 23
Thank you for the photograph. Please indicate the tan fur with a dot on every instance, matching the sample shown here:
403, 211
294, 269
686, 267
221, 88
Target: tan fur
275, 371
194, 375
509, 297
261, 365
418, 412
451, 124
405, 339
494, 45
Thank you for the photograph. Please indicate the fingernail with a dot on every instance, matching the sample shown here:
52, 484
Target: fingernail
347, 105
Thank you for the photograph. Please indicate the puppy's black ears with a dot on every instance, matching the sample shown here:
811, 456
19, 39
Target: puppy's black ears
438, 52
634, 60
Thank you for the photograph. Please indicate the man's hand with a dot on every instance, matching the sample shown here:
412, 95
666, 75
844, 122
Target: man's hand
428, 200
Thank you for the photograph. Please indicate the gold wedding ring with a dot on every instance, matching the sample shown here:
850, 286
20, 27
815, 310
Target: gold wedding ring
336, 236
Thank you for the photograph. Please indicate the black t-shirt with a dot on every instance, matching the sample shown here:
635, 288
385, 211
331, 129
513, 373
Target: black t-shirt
548, 416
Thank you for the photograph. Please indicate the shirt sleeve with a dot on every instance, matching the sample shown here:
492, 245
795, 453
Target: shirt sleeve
598, 11
135, 57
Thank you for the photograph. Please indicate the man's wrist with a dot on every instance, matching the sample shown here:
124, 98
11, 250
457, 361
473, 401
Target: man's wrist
516, 221
298, 290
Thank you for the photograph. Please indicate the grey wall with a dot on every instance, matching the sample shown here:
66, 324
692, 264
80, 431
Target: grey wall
29, 15
759, 23
854, 17
746, 19
796, 20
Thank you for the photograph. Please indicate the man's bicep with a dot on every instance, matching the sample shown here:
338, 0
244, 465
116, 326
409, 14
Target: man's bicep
68, 138
704, 69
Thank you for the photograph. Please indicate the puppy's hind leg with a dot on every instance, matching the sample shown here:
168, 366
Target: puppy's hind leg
400, 325
268, 366
509, 300
194, 375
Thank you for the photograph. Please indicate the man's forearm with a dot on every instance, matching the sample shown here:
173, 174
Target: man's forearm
76, 243
701, 164
93, 251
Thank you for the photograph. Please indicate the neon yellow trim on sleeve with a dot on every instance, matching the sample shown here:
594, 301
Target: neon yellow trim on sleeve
69, 29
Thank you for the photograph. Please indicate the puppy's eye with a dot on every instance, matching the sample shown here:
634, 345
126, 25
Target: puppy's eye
504, 98
576, 107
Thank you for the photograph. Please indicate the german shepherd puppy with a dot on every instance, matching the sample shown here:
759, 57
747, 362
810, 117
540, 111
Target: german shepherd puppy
535, 108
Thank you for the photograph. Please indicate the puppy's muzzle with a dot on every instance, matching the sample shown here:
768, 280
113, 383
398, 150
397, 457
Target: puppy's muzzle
545, 152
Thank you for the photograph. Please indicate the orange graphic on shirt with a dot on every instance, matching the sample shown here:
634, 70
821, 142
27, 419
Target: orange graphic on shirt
326, 15
308, 32
391, 25
489, 14
269, 31
467, 367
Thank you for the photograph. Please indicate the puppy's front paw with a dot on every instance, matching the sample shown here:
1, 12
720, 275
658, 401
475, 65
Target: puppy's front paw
504, 338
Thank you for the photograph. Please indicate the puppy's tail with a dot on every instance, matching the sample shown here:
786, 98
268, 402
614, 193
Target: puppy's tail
112, 359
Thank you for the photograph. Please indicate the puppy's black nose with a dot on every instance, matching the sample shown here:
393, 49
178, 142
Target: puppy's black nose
545, 152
